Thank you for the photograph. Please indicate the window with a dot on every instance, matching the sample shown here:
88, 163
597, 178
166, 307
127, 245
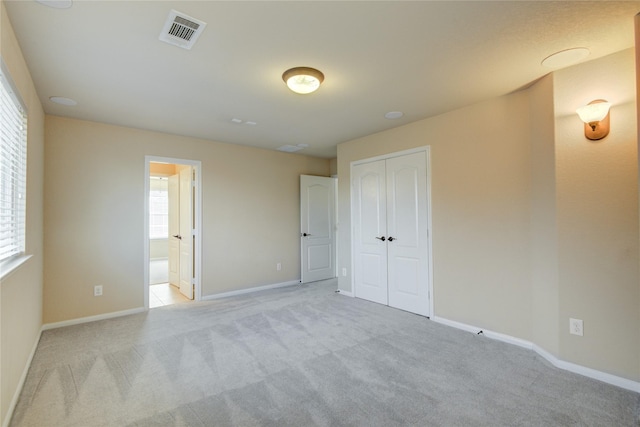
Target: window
159, 208
13, 170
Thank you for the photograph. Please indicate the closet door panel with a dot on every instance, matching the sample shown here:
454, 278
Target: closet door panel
407, 241
370, 226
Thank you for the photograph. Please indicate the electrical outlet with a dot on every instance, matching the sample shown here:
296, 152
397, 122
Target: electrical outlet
279, 266
576, 327
97, 291
344, 271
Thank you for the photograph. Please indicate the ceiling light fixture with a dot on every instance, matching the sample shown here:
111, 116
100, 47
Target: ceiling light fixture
303, 80
595, 115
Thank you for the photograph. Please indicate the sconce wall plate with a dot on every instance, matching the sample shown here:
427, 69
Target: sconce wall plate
599, 131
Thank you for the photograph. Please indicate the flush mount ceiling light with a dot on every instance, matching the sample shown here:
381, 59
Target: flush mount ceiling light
63, 101
567, 57
303, 80
595, 116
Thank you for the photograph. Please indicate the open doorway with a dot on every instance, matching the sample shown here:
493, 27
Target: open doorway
172, 238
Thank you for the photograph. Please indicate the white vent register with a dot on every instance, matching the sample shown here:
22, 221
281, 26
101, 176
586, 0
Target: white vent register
181, 30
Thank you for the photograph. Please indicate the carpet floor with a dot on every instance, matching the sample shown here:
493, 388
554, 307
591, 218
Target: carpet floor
300, 356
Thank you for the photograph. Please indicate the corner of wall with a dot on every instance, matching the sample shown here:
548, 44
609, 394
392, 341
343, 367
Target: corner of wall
544, 252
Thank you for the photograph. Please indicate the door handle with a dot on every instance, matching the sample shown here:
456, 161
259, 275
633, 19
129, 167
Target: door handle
177, 236
381, 238
305, 234
391, 239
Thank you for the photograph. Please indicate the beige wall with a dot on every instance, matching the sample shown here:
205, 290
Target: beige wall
21, 292
544, 232
597, 217
532, 223
480, 184
250, 214
637, 28
333, 167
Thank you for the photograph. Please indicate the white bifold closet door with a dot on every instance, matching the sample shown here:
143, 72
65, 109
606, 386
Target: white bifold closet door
390, 232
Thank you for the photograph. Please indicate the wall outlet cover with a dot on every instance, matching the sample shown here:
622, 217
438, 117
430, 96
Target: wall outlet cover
576, 327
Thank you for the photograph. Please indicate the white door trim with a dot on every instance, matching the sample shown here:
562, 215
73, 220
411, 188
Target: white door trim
427, 150
197, 272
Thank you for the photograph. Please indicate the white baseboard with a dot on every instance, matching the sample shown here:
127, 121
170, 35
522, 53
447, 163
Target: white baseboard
23, 377
249, 290
81, 320
588, 372
345, 293
558, 363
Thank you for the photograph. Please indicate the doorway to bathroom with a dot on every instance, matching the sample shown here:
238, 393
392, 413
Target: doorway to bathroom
172, 237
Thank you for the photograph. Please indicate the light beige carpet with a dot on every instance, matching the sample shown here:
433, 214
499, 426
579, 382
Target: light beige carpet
300, 356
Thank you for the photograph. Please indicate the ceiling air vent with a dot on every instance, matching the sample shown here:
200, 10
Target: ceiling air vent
181, 30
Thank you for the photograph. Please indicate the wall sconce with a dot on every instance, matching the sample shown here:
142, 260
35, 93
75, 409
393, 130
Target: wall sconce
595, 116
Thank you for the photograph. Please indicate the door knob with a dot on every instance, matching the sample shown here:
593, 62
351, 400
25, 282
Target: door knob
391, 239
306, 234
381, 238
177, 236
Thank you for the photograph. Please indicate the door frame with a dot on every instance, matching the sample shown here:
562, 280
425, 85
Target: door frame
197, 252
427, 150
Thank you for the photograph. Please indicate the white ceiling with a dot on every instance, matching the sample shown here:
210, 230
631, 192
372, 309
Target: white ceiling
421, 57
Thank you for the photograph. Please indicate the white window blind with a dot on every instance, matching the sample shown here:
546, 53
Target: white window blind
159, 208
13, 170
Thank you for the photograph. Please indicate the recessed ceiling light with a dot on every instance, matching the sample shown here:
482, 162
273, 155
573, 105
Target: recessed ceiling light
237, 121
56, 4
63, 101
250, 123
567, 57
392, 115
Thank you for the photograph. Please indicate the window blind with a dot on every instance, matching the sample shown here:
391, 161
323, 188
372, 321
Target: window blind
159, 208
13, 170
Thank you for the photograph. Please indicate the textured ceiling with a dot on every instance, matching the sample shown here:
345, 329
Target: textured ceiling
422, 58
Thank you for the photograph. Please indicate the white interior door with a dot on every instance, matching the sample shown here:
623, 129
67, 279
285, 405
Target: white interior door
174, 230
370, 228
407, 240
317, 228
186, 231
390, 220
